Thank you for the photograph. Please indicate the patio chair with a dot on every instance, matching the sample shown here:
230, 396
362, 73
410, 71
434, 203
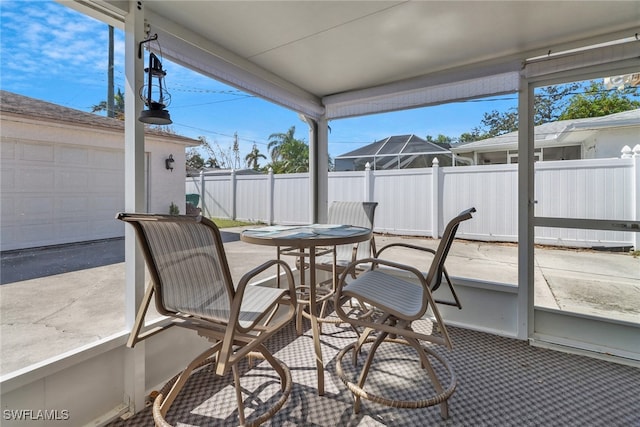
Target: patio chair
437, 280
192, 284
360, 214
398, 302
343, 212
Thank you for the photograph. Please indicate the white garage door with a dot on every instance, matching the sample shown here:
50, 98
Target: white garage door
56, 193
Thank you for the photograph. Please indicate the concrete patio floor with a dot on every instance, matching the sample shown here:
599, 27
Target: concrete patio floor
46, 316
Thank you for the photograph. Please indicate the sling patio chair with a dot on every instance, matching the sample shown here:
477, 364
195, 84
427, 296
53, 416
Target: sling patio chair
335, 260
437, 280
397, 302
192, 284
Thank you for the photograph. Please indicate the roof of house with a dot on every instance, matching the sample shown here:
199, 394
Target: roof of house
394, 145
555, 133
41, 110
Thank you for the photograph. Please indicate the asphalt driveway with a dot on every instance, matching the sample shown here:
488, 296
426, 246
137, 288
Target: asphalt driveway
26, 264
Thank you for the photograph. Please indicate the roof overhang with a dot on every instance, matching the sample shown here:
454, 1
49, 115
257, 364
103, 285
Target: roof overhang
340, 59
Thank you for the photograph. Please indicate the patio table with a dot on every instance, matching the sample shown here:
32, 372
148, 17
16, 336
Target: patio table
308, 241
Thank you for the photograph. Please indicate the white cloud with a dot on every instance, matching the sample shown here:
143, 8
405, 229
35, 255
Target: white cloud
47, 39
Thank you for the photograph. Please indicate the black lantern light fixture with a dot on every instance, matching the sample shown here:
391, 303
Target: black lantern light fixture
168, 162
156, 113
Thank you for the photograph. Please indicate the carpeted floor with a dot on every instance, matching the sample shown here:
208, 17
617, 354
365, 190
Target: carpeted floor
500, 382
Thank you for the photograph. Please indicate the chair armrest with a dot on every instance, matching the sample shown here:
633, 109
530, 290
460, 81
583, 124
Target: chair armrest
409, 246
404, 245
244, 281
375, 262
236, 304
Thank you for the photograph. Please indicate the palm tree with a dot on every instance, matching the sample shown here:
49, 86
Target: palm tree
252, 158
295, 156
278, 140
118, 106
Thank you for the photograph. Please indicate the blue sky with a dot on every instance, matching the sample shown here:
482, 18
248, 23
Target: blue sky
53, 53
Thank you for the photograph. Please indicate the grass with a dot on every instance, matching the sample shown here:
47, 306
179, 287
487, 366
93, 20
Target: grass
226, 223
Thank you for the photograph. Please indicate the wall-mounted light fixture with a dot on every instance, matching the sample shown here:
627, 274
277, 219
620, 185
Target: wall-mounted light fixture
156, 113
168, 163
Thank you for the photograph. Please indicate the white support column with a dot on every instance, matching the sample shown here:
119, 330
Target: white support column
525, 210
368, 179
322, 175
318, 169
134, 201
270, 201
635, 193
435, 199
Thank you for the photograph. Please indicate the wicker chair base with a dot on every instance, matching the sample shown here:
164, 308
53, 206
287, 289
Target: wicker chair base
286, 384
359, 392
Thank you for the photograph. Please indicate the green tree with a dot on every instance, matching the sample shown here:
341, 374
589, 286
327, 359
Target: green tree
295, 155
561, 102
288, 154
118, 106
550, 101
474, 135
194, 160
596, 101
277, 140
548, 104
499, 122
253, 157
440, 140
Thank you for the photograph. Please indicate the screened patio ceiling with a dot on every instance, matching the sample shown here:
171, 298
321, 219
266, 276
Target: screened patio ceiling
339, 59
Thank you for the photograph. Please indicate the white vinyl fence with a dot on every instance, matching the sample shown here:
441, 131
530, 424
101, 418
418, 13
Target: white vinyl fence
420, 201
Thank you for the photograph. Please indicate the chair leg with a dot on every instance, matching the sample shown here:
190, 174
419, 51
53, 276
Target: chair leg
184, 376
439, 398
140, 316
274, 364
361, 340
315, 331
285, 385
365, 368
323, 309
236, 381
299, 319
424, 362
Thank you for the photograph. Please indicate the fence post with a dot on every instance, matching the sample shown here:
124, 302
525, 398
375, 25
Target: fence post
435, 197
203, 204
368, 176
270, 201
233, 193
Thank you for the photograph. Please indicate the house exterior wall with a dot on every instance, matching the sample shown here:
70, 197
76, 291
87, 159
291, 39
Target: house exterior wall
164, 186
603, 144
608, 144
64, 183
